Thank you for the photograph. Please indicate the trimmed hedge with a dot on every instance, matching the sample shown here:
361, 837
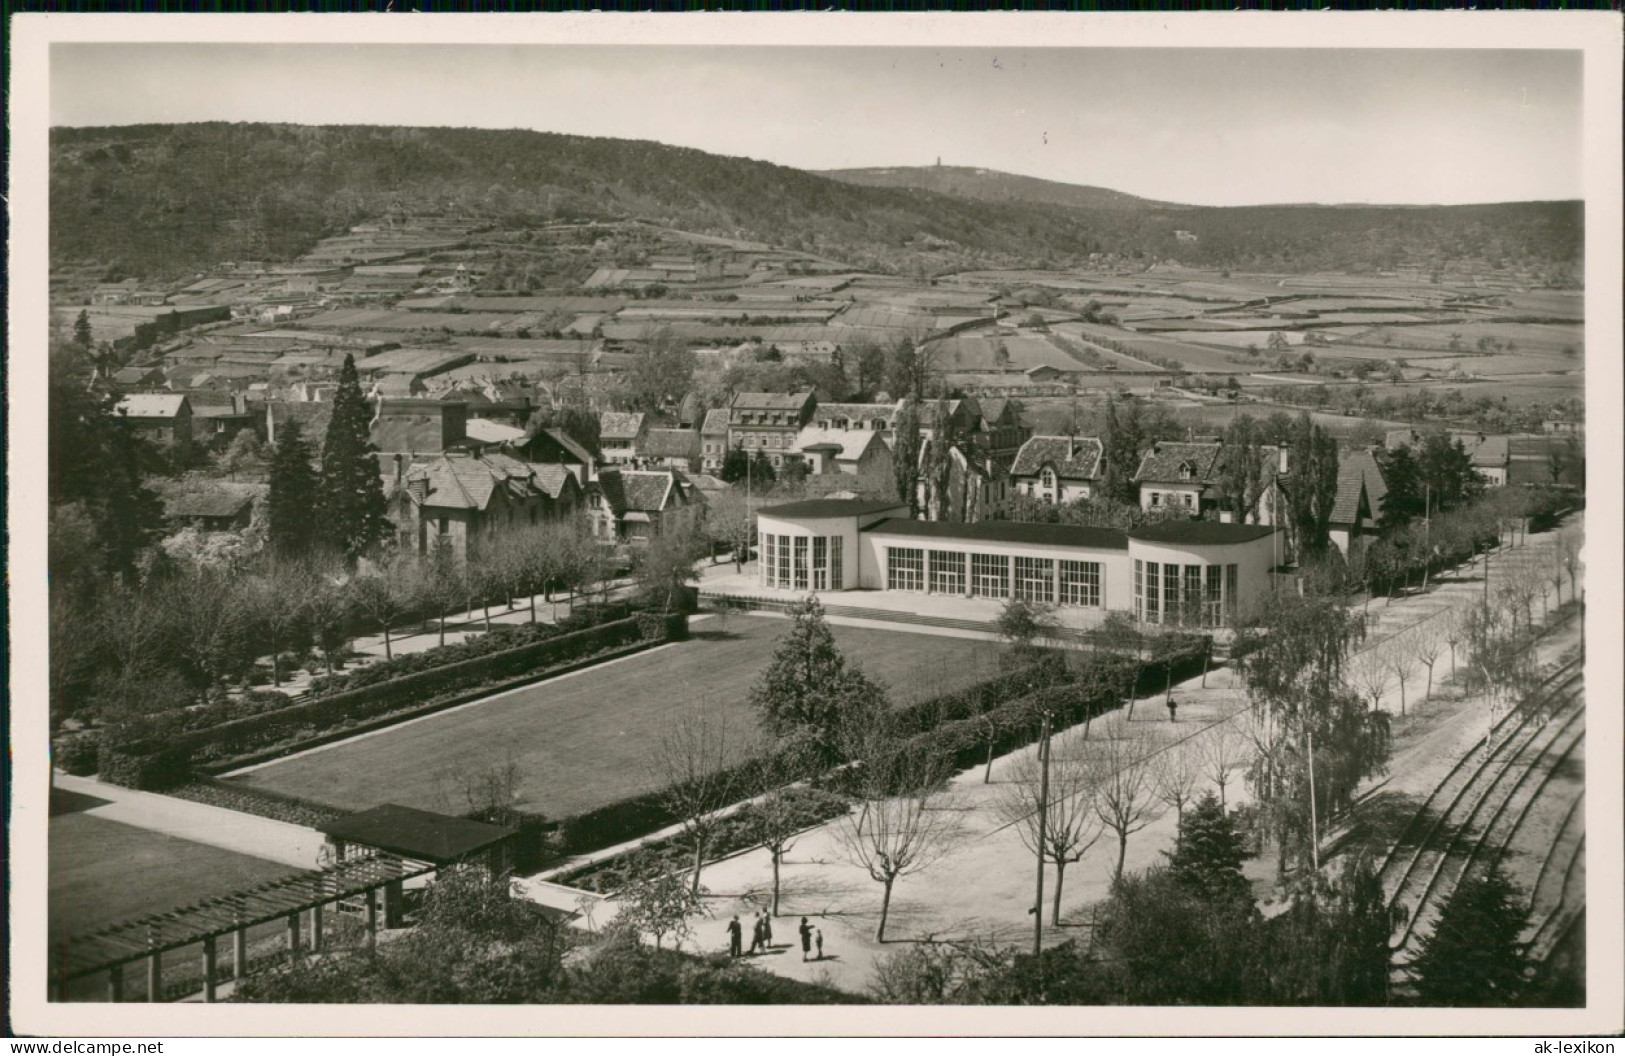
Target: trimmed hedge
78, 753
135, 763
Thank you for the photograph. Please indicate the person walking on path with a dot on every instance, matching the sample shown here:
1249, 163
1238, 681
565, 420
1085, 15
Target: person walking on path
818, 940
736, 946
1173, 710
806, 938
767, 929
757, 939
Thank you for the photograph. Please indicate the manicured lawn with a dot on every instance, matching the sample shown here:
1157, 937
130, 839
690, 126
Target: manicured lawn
104, 872
583, 740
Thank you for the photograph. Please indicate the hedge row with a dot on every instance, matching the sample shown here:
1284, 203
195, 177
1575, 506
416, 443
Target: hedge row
499, 638
637, 816
164, 762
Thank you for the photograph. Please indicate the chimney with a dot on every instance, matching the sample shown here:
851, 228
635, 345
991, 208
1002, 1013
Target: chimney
1071, 447
400, 469
1285, 454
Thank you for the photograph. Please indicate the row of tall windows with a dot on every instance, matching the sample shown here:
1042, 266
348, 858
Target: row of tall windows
1000, 576
905, 568
799, 562
1170, 593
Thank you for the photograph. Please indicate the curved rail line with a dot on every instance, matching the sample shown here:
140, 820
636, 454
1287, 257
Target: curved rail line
1437, 848
1461, 776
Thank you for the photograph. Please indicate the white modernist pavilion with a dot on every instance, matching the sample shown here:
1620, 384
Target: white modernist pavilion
1189, 571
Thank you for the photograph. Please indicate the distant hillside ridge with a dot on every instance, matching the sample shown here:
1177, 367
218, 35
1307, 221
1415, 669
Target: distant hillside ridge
163, 201
991, 185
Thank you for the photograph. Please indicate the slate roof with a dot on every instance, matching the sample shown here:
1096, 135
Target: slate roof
636, 490
619, 425
831, 508
1200, 533
1160, 465
1490, 451
419, 834
488, 432
553, 480
152, 405
1356, 468
671, 443
770, 401
1007, 532
857, 412
206, 504
1084, 463
993, 408
469, 483
716, 422
850, 444
566, 441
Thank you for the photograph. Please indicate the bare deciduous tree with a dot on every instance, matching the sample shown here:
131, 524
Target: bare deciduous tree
1119, 762
1221, 749
1367, 674
1071, 826
1426, 639
1175, 772
902, 831
696, 766
1400, 656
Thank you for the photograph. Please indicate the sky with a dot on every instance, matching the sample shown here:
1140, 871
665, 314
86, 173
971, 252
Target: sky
1199, 126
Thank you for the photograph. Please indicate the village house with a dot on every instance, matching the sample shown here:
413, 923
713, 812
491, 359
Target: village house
1057, 469
768, 422
1185, 476
1358, 505
635, 505
209, 511
620, 434
867, 417
412, 427
1491, 456
971, 487
714, 439
671, 448
164, 418
852, 452
549, 446
462, 501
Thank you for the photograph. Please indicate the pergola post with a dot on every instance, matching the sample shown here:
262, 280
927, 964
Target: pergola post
394, 895
115, 983
208, 968
293, 936
155, 977
239, 952
372, 918
316, 928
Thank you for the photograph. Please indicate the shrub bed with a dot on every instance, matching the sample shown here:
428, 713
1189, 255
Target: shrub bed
737, 832
163, 762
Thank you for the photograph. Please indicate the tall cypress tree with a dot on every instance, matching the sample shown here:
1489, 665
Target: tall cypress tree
351, 491
291, 504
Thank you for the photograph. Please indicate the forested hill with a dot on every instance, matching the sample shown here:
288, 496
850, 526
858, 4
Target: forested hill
159, 201
989, 185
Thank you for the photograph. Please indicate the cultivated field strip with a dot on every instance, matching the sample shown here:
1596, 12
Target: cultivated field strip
1501, 786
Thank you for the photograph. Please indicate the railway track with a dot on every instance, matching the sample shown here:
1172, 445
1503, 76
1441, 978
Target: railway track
1481, 803
1558, 896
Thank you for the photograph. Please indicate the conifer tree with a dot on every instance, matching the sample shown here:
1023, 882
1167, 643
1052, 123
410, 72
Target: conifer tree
1208, 857
291, 525
350, 496
81, 330
807, 689
1474, 957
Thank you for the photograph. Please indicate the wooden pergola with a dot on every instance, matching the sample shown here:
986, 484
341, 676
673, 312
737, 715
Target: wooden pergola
148, 938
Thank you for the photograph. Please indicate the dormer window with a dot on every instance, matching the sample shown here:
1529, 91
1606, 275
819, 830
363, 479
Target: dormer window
1186, 471
1047, 477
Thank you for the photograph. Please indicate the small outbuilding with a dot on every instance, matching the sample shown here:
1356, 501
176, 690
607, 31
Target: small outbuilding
423, 836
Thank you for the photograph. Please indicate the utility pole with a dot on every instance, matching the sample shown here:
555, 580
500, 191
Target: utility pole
1043, 830
1314, 820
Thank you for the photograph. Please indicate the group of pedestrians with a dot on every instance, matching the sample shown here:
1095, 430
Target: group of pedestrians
761, 937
